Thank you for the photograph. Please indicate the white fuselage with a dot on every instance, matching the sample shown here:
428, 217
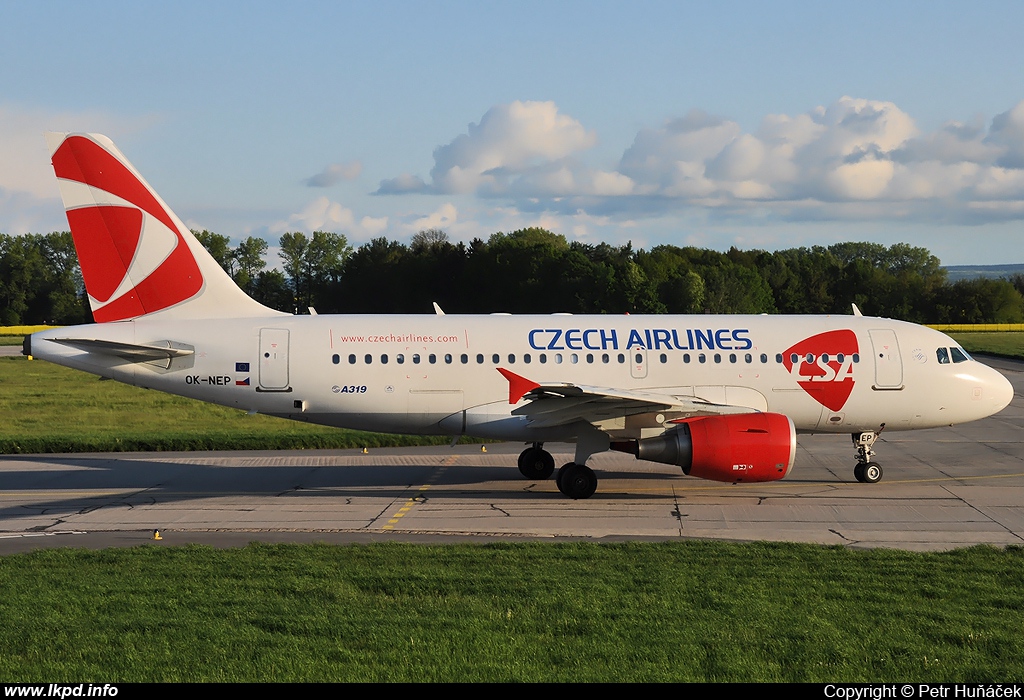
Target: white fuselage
438, 374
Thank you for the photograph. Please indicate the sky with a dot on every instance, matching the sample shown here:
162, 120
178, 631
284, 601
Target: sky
748, 124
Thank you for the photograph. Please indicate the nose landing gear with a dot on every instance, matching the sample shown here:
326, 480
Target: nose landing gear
866, 471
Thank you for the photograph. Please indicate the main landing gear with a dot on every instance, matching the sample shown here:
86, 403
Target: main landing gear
574, 480
577, 481
866, 471
536, 462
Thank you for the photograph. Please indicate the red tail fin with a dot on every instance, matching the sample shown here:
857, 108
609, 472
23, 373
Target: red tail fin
137, 257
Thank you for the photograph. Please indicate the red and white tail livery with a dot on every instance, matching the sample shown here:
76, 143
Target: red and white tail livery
722, 397
136, 256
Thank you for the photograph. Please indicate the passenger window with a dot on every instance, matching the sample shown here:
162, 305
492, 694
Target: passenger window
511, 359
400, 359
416, 359
543, 358
383, 359
368, 359
605, 359
558, 358
351, 359
824, 358
778, 359
639, 359
464, 358
794, 358
732, 357
495, 358
840, 358
764, 359
856, 358
336, 359
479, 359
810, 359
663, 358
943, 355
686, 358
718, 359
622, 359
432, 359
527, 358
447, 359
574, 358
701, 358
590, 358
748, 358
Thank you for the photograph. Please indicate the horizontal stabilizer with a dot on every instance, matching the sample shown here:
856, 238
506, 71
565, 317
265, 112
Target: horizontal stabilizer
163, 350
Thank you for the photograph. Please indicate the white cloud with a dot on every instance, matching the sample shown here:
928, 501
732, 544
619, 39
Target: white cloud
1007, 133
509, 140
324, 215
853, 159
403, 184
444, 218
335, 173
29, 198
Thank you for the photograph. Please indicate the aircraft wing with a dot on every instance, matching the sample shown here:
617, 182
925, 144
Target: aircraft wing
561, 404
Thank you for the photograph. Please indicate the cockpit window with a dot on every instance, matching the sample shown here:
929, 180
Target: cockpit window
953, 354
958, 354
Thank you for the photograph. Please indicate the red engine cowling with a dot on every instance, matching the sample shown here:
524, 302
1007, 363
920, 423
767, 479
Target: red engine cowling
743, 447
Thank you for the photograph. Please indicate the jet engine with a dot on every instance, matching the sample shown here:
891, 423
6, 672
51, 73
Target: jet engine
740, 447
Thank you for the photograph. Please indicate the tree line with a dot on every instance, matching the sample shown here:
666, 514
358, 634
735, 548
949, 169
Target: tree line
536, 271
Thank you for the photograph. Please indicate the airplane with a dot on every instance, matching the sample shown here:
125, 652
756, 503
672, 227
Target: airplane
721, 396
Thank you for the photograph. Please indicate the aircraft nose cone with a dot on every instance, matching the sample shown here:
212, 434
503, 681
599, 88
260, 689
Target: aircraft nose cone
1001, 391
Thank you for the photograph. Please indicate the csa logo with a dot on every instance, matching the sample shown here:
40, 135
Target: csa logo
819, 370
133, 257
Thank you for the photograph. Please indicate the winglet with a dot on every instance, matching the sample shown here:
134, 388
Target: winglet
517, 386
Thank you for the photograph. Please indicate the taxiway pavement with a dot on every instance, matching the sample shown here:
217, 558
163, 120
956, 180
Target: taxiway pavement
943, 488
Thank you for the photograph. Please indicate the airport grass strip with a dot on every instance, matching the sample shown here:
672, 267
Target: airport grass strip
680, 611
48, 408
1004, 344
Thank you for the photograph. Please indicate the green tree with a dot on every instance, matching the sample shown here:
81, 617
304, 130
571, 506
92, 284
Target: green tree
218, 247
270, 288
982, 300
249, 263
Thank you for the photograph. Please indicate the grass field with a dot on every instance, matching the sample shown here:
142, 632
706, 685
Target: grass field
682, 611
994, 343
48, 408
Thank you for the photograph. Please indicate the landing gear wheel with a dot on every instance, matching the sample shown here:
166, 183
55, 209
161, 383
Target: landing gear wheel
561, 474
577, 481
535, 463
868, 472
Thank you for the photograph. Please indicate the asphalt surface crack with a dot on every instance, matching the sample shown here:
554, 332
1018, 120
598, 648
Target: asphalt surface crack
842, 536
43, 528
677, 512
